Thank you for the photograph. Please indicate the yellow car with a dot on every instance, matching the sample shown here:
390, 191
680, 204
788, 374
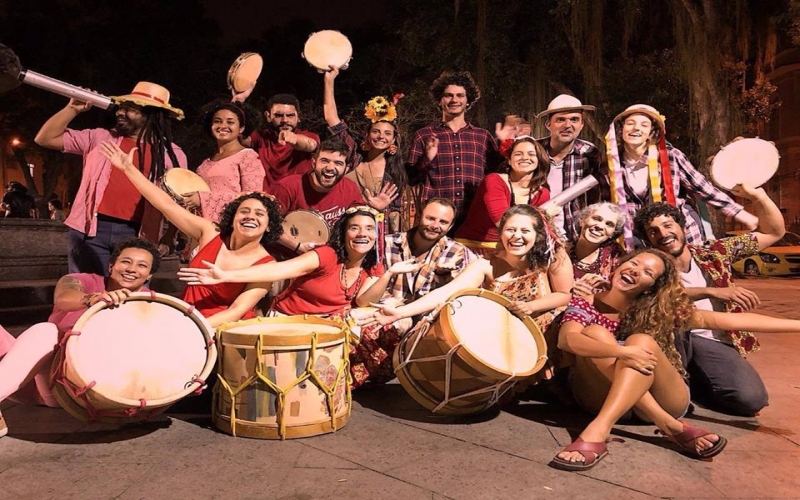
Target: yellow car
781, 259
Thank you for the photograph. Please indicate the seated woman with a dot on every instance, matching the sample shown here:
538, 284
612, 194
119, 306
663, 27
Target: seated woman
328, 281
25, 361
532, 270
597, 253
624, 340
527, 166
247, 225
233, 169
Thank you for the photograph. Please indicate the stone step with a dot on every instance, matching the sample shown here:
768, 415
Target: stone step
26, 293
24, 315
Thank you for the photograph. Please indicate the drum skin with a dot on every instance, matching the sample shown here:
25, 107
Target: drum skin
490, 350
327, 48
307, 227
244, 72
152, 348
177, 181
751, 161
287, 377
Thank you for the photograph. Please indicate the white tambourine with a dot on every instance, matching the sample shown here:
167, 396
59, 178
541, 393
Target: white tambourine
328, 48
747, 161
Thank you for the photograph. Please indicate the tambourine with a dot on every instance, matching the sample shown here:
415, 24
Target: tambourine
328, 48
179, 181
747, 161
244, 72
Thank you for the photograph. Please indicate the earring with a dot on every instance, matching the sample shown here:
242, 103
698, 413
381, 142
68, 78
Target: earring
365, 146
392, 150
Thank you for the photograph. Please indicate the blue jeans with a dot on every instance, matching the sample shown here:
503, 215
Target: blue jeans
91, 255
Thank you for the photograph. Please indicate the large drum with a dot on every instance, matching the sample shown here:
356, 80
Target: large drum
132, 361
284, 377
473, 352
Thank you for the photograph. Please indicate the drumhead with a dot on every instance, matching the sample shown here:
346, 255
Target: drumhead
750, 161
493, 335
307, 227
180, 181
146, 348
328, 48
244, 72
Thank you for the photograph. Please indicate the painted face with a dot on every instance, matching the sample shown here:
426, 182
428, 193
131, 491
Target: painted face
129, 119
359, 238
454, 100
225, 126
565, 127
436, 220
329, 168
518, 235
131, 269
282, 117
666, 235
523, 159
381, 135
251, 218
637, 130
599, 226
638, 274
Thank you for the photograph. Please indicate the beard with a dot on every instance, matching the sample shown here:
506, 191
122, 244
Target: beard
125, 128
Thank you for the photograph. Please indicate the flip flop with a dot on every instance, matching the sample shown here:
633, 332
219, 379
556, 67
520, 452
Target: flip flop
686, 440
592, 454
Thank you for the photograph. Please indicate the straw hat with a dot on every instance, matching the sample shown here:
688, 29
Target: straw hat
564, 104
150, 94
643, 109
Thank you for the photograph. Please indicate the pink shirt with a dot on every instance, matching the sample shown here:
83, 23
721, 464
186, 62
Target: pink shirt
95, 177
227, 178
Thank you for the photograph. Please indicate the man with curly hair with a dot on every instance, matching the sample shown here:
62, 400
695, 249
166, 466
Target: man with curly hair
720, 378
451, 158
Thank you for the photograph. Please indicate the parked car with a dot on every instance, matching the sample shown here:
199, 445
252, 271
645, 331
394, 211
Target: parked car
781, 259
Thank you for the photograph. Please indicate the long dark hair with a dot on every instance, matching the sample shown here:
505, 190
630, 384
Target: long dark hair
337, 239
274, 225
543, 162
157, 133
395, 166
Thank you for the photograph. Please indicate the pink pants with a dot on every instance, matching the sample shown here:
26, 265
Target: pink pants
25, 365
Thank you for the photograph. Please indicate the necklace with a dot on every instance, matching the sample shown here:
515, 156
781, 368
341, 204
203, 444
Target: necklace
346, 287
514, 197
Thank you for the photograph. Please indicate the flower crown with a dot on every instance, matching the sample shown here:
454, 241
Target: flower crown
381, 109
508, 144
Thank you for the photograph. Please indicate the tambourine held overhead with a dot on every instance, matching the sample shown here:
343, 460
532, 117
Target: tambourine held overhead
750, 161
327, 48
244, 72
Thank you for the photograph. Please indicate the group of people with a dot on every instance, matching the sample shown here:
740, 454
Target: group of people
643, 331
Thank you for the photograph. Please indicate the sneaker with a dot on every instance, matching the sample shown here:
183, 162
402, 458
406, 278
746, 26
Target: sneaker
3, 426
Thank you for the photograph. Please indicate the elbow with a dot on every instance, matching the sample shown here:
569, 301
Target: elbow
41, 140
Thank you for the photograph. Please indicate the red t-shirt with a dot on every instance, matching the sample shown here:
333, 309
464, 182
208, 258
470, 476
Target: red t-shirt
121, 200
321, 291
280, 160
295, 193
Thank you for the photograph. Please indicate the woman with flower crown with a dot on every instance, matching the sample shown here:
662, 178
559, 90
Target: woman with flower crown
376, 165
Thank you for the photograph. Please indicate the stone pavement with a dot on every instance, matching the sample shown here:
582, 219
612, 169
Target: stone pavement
391, 448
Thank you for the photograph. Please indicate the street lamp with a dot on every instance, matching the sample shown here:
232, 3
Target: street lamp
15, 142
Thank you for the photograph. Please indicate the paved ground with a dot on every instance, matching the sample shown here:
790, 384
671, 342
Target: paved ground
393, 449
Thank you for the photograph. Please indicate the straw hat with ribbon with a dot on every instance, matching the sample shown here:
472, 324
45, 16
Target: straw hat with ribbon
564, 104
658, 168
150, 94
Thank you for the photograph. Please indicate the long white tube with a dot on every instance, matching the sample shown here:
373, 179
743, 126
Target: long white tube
62, 88
573, 191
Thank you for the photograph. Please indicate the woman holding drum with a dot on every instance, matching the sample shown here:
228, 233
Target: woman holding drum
247, 225
233, 169
527, 166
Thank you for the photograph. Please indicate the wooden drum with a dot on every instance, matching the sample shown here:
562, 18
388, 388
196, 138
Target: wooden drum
284, 377
473, 352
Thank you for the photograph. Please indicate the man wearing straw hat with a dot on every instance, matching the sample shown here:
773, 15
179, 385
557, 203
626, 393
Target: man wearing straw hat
571, 159
107, 208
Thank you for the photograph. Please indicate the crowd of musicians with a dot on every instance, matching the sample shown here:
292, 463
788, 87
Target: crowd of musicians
634, 304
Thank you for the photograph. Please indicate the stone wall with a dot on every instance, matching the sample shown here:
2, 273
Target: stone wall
32, 249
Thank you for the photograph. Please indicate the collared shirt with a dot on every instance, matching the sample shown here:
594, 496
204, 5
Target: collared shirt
715, 259
461, 162
584, 159
95, 176
445, 253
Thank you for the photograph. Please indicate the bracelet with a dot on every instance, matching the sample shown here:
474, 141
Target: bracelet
87, 299
297, 247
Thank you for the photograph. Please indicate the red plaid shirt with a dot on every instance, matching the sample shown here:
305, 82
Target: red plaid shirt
463, 159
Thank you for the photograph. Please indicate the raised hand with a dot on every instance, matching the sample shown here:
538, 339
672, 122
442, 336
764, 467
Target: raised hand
199, 276
116, 156
384, 198
330, 75
79, 106
287, 137
406, 266
431, 147
191, 200
508, 129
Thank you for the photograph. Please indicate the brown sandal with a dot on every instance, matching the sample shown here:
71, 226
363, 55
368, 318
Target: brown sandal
688, 437
592, 454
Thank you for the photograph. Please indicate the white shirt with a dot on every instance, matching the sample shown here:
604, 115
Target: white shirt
555, 180
695, 278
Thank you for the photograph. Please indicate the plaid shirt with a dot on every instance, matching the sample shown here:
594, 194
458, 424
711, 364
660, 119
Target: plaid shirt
686, 181
461, 162
411, 286
715, 259
583, 160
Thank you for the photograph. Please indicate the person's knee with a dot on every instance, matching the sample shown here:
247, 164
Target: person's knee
641, 340
749, 398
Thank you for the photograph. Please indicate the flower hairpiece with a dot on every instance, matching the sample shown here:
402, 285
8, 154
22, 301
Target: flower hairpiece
381, 109
365, 208
508, 144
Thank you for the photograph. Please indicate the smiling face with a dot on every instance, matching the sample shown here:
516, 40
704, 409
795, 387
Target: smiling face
637, 130
129, 119
565, 127
518, 235
251, 219
329, 168
225, 126
523, 159
381, 136
454, 100
436, 220
599, 226
666, 235
131, 269
638, 274
360, 235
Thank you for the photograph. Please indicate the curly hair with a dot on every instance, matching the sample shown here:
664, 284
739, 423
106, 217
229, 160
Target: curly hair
648, 213
337, 239
460, 78
622, 217
660, 311
545, 246
140, 244
244, 114
543, 159
274, 226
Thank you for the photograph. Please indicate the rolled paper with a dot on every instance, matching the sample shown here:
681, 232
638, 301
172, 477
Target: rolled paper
582, 186
62, 88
